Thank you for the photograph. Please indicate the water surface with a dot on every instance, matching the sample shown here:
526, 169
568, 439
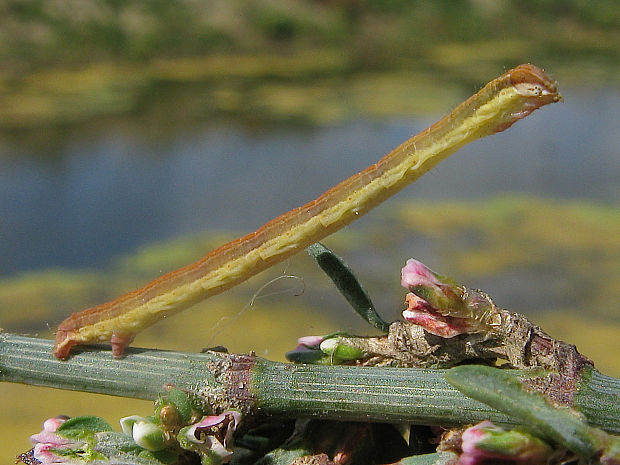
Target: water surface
95, 196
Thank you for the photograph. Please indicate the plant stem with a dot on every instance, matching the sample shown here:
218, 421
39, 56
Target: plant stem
408, 395
140, 375
398, 395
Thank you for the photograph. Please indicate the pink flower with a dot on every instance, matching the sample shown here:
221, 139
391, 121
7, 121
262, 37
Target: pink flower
49, 429
416, 273
212, 436
309, 342
420, 313
434, 303
221, 426
308, 350
486, 442
440, 293
48, 445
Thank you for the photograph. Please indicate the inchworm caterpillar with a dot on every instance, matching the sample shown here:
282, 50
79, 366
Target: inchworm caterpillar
500, 103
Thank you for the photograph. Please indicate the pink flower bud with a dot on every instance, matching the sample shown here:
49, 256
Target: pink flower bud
47, 444
442, 295
486, 442
309, 341
48, 435
416, 273
422, 314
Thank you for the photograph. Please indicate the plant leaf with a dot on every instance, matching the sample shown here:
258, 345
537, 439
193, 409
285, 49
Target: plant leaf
503, 391
348, 284
83, 427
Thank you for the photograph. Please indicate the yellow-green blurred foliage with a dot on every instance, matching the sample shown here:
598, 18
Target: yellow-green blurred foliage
64, 62
577, 241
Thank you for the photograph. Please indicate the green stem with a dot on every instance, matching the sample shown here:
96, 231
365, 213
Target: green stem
404, 395
399, 395
140, 375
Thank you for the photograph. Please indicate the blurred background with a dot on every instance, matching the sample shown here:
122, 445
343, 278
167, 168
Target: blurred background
135, 136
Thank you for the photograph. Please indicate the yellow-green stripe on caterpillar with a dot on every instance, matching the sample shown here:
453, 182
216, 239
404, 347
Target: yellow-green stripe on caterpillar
494, 108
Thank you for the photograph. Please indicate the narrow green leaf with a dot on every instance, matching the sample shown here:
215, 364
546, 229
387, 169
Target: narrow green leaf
285, 456
503, 391
310, 356
113, 442
436, 458
347, 284
82, 427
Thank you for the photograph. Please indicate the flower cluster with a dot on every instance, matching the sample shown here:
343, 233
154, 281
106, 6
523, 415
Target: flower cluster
155, 440
50, 447
211, 437
440, 306
65, 440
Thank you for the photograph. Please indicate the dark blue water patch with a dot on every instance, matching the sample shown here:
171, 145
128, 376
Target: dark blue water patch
110, 192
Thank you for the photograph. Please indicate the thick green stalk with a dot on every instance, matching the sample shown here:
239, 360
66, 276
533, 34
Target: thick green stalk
140, 375
399, 395
404, 395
